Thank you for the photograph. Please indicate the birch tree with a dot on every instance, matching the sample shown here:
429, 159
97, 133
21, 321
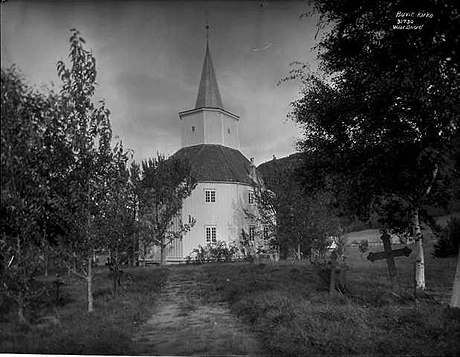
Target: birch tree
382, 120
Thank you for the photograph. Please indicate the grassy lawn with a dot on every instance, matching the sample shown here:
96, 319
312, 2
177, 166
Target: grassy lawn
66, 328
289, 307
286, 304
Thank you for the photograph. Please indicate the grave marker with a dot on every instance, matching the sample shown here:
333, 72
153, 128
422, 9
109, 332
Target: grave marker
389, 255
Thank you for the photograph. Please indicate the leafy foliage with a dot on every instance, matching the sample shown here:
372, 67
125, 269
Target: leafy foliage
213, 252
161, 186
116, 226
303, 220
386, 123
26, 197
61, 180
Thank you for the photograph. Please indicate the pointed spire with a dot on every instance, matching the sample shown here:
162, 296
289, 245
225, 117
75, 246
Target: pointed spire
208, 92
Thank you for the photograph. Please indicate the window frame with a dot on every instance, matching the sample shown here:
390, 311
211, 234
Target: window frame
251, 197
210, 195
212, 235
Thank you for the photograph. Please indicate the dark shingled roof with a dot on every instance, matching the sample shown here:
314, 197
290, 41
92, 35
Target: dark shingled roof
217, 163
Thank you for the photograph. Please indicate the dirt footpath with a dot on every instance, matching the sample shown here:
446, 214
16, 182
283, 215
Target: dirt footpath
183, 324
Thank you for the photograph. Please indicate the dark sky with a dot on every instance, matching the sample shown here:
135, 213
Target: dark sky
149, 58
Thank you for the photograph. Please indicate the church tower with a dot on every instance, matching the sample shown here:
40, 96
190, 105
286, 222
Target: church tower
209, 122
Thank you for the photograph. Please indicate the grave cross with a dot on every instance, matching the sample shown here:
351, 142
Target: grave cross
389, 255
395, 253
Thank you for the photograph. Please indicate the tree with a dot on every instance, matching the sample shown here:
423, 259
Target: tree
162, 187
385, 123
116, 225
89, 136
25, 188
298, 221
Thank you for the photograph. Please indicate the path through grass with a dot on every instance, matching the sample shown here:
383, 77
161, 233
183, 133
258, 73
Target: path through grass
185, 324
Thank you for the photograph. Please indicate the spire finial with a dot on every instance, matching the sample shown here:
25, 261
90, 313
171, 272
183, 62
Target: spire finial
207, 30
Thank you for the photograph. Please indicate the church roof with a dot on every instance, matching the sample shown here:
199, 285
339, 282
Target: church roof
208, 92
217, 163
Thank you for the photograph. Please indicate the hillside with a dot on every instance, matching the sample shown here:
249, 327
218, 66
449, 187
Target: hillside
287, 163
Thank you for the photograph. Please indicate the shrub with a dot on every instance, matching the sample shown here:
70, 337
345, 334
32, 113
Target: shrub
213, 252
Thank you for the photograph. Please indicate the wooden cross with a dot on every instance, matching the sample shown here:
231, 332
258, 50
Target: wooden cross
389, 255
395, 253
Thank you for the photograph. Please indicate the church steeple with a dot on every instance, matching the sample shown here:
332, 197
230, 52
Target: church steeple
208, 92
209, 122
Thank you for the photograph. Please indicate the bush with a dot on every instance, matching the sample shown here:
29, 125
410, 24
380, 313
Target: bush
213, 252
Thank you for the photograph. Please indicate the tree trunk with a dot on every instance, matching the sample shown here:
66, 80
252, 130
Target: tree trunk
21, 304
46, 263
115, 277
89, 280
163, 251
332, 282
455, 300
420, 255
144, 254
45, 253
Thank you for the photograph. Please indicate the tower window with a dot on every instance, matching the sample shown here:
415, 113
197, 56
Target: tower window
228, 130
193, 128
210, 195
211, 234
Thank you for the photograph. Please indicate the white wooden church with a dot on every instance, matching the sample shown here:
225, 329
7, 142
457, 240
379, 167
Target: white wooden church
224, 194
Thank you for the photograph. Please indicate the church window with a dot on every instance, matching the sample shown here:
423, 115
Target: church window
211, 234
228, 130
252, 232
251, 197
210, 195
193, 128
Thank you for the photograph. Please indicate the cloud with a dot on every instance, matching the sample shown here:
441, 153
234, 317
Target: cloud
149, 59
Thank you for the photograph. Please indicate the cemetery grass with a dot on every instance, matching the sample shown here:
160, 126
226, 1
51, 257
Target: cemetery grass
288, 306
65, 326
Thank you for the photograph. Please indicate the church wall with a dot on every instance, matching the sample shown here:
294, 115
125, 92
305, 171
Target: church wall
192, 129
230, 132
212, 127
226, 214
